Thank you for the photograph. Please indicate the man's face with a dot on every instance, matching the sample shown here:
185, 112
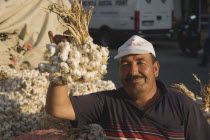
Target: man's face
138, 73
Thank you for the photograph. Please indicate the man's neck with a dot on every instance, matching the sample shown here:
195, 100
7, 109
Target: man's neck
146, 101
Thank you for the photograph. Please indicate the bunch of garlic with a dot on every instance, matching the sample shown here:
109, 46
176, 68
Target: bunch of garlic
69, 63
22, 99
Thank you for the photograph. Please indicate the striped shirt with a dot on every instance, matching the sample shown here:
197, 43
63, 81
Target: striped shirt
174, 116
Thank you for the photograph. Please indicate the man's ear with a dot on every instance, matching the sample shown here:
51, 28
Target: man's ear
156, 68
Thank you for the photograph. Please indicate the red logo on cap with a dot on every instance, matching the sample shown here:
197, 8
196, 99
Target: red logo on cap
133, 42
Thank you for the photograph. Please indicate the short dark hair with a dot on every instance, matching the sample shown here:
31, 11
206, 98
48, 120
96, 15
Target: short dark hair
153, 58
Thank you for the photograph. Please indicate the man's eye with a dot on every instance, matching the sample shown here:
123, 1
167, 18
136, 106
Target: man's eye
140, 63
124, 64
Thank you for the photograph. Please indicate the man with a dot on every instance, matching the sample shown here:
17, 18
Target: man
144, 108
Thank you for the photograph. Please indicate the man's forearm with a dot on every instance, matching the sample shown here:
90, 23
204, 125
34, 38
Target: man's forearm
58, 103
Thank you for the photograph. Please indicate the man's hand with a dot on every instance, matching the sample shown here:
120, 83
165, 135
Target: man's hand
59, 38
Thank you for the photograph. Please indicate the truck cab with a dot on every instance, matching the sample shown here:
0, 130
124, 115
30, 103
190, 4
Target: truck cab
113, 21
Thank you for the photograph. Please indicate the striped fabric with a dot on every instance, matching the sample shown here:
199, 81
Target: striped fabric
137, 132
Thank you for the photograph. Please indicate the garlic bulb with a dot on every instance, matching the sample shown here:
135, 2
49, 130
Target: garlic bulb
63, 57
51, 50
42, 67
63, 67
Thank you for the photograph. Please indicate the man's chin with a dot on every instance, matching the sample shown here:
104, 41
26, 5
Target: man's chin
135, 92
134, 85
137, 82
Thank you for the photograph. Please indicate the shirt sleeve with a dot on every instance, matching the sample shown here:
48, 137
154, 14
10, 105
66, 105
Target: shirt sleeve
88, 108
196, 125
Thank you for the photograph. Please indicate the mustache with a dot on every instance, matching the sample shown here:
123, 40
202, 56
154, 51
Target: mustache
134, 77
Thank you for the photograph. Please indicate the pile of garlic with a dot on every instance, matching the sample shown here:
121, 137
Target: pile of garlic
77, 89
69, 63
22, 99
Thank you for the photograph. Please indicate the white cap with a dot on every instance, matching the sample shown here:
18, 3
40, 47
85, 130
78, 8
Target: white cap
135, 45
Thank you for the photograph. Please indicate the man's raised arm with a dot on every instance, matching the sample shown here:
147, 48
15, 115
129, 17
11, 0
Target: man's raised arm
58, 103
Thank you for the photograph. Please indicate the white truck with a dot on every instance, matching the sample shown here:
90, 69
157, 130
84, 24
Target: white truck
116, 20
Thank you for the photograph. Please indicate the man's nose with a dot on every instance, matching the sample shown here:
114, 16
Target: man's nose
134, 69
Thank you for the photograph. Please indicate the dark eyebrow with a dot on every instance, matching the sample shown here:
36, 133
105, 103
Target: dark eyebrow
122, 61
140, 59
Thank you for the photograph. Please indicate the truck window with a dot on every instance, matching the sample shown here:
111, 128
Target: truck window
105, 3
148, 1
121, 2
88, 3
163, 1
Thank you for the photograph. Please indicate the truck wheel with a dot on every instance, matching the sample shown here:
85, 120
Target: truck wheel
105, 39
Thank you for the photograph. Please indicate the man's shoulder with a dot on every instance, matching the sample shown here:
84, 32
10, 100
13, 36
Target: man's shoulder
181, 99
174, 95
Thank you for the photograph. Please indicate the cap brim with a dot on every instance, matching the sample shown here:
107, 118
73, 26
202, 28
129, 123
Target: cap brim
133, 51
